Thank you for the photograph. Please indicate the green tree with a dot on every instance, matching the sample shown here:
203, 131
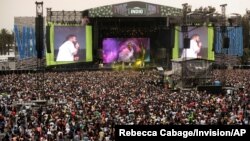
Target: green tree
6, 40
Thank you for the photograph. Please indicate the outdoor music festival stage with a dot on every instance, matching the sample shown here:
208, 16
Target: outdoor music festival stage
130, 64
138, 35
131, 34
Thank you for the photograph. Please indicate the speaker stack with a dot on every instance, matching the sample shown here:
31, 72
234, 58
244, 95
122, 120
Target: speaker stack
186, 43
48, 39
39, 36
226, 42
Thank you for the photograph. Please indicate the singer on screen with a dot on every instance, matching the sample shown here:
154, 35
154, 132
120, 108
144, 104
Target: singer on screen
126, 54
69, 49
194, 49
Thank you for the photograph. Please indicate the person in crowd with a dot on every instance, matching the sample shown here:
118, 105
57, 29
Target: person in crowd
81, 105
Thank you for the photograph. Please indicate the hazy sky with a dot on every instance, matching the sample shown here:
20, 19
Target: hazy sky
16, 8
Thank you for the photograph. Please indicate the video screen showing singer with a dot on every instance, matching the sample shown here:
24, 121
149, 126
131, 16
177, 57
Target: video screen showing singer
68, 51
126, 54
195, 47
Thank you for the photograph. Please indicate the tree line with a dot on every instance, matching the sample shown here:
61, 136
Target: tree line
6, 41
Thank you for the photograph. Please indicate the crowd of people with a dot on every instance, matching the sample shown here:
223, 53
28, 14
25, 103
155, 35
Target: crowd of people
86, 105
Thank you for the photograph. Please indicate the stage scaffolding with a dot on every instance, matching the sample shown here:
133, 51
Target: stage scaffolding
191, 72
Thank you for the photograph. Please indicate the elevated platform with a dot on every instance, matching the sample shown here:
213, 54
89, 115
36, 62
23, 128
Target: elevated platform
191, 72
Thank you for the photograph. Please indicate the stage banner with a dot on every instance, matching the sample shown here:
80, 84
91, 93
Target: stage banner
235, 35
18, 42
210, 43
89, 54
175, 50
25, 41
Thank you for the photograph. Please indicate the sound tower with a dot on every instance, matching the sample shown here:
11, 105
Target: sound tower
48, 39
39, 36
170, 37
186, 43
226, 42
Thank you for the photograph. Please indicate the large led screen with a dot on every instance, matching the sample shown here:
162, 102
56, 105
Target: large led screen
197, 44
125, 49
69, 44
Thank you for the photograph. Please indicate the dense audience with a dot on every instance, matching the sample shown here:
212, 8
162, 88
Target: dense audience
86, 105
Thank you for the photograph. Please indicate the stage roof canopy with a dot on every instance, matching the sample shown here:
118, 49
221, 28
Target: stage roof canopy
134, 9
129, 9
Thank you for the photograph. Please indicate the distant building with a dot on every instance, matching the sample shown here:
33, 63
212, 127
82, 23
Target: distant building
7, 61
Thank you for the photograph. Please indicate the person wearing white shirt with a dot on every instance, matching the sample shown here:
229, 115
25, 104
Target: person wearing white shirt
194, 49
68, 50
127, 54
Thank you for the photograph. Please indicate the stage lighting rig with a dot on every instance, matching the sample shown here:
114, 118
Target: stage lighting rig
223, 12
64, 17
186, 10
39, 9
234, 19
205, 11
198, 17
49, 13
